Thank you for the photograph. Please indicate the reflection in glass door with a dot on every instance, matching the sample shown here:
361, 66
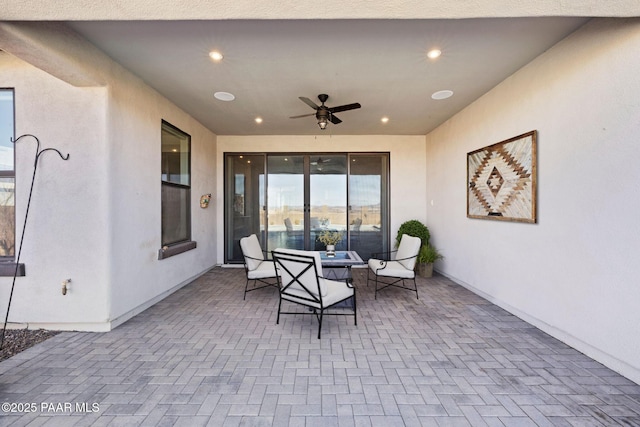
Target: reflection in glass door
285, 198
244, 201
368, 204
327, 199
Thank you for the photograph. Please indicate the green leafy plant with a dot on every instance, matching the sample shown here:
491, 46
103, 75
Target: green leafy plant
330, 237
413, 228
429, 254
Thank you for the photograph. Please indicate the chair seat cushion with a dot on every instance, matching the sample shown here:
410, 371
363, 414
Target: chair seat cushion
264, 270
390, 269
336, 292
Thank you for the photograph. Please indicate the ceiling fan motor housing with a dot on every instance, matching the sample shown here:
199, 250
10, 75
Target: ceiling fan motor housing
323, 112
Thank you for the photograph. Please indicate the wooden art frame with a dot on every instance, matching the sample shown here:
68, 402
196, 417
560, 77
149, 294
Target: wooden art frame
501, 180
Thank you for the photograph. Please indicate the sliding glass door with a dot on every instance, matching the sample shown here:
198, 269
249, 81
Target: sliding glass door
286, 208
327, 199
244, 201
368, 204
289, 200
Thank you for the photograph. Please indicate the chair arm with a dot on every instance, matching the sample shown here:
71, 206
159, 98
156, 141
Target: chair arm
383, 256
245, 260
349, 285
404, 259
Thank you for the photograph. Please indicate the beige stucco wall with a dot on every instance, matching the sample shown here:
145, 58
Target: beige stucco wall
574, 274
68, 215
406, 156
96, 218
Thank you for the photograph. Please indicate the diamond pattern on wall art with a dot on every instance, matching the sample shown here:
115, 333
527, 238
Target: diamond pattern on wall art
502, 180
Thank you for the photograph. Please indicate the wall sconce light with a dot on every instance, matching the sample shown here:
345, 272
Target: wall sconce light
204, 200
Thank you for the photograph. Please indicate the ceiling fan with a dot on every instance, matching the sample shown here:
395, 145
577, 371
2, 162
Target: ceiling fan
319, 161
323, 113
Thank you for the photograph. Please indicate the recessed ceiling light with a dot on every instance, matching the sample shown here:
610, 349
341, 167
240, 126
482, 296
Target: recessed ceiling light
258, 120
224, 96
215, 55
442, 94
385, 120
434, 53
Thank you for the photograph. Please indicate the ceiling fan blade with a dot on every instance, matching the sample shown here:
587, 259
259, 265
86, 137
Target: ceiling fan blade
346, 107
309, 102
334, 119
302, 115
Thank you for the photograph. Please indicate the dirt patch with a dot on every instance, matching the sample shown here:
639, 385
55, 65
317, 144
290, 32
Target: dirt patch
17, 340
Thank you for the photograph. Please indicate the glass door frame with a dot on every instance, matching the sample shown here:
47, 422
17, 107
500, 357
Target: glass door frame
262, 234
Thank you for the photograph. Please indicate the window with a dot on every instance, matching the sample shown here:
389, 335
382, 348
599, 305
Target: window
176, 190
7, 176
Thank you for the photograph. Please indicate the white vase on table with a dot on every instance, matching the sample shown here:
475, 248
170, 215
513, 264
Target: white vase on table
331, 250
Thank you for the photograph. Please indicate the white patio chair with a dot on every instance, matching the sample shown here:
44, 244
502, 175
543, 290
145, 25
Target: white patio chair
393, 268
301, 282
258, 268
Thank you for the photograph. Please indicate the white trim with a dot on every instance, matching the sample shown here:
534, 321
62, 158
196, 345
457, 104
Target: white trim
109, 325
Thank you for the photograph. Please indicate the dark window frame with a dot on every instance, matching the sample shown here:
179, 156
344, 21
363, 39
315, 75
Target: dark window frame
173, 246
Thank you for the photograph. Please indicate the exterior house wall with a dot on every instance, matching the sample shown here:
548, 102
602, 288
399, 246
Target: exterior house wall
97, 218
406, 157
67, 220
574, 274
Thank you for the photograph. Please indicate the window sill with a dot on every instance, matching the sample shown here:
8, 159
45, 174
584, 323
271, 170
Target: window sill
169, 251
8, 269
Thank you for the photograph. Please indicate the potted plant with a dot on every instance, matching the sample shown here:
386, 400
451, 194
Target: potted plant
426, 257
413, 228
330, 239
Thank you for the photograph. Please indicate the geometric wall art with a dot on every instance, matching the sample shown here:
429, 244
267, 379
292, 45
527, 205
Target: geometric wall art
501, 180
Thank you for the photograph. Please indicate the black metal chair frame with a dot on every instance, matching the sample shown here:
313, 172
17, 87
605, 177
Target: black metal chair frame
385, 257
311, 298
266, 282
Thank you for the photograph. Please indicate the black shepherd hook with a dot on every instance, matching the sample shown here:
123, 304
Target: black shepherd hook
24, 225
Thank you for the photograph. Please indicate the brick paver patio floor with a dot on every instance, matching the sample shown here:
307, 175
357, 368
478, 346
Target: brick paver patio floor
203, 356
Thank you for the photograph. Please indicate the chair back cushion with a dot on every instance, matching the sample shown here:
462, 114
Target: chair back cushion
292, 262
251, 248
408, 248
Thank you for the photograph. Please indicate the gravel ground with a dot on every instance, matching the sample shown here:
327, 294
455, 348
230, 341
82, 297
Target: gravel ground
17, 340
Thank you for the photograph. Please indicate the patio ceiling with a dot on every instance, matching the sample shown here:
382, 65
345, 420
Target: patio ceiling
381, 64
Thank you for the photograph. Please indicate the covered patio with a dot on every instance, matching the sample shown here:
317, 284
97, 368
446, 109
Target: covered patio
203, 356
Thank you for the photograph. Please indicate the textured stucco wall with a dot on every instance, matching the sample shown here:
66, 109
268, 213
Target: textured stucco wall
574, 273
96, 218
68, 217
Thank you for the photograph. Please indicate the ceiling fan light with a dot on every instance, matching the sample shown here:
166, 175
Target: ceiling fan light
323, 123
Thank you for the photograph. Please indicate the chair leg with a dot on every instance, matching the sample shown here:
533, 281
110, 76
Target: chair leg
246, 287
376, 293
415, 285
320, 321
355, 313
279, 308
